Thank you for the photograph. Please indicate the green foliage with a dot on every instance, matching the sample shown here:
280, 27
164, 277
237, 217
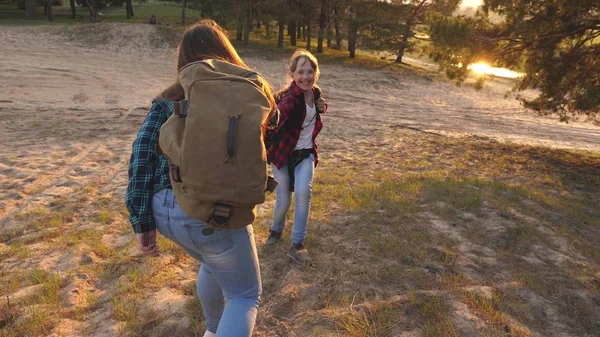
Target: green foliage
555, 43
390, 25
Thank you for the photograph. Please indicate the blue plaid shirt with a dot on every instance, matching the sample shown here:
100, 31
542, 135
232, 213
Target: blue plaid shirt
148, 171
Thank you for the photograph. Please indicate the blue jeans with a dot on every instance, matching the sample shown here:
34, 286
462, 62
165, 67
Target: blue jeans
303, 176
229, 283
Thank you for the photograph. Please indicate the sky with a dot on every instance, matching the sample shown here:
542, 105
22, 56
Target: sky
471, 3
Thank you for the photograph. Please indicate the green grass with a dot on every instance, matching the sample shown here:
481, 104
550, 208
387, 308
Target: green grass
39, 222
165, 12
37, 314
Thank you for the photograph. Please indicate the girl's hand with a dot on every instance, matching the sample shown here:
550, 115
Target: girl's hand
321, 105
147, 242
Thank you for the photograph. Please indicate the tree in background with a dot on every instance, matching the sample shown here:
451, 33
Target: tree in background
129, 9
73, 12
251, 11
416, 13
322, 24
279, 11
183, 6
555, 43
29, 12
358, 15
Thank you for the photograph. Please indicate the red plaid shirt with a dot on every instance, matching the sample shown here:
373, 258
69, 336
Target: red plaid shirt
282, 141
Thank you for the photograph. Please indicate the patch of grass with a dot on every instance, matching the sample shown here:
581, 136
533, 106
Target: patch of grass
94, 240
134, 280
163, 276
11, 284
124, 308
19, 249
434, 313
389, 194
8, 317
102, 201
491, 310
38, 219
170, 247
38, 275
116, 266
376, 320
452, 195
193, 310
562, 289
410, 248
35, 320
50, 291
82, 310
104, 217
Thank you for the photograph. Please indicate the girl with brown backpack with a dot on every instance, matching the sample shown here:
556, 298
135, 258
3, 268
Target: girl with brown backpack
229, 282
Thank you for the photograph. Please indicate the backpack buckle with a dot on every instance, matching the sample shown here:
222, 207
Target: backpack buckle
220, 215
180, 108
175, 173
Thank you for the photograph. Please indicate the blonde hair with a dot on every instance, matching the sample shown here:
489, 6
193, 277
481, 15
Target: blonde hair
304, 54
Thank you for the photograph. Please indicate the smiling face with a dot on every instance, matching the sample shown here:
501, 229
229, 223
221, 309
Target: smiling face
304, 75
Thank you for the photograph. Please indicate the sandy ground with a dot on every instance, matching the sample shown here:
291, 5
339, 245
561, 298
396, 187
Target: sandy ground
66, 94
70, 108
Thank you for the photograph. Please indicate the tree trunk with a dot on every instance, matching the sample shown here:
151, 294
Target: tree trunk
280, 34
73, 12
29, 13
338, 33
292, 29
329, 35
239, 29
46, 8
407, 31
299, 30
248, 26
49, 10
93, 7
268, 29
309, 36
352, 33
129, 8
404, 43
322, 23
183, 4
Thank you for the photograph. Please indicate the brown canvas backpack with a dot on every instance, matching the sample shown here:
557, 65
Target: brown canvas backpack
215, 146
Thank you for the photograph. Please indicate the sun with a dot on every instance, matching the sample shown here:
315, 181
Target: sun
484, 68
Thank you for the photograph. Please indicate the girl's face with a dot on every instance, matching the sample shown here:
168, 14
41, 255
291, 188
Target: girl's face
304, 75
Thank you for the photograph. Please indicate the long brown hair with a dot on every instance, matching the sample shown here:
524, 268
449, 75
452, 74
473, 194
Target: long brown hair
206, 40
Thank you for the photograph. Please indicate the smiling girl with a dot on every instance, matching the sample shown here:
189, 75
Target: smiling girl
292, 150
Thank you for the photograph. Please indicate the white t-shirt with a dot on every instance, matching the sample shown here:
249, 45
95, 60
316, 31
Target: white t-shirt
305, 140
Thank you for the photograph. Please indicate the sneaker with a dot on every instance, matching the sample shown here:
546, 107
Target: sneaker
209, 334
299, 254
274, 237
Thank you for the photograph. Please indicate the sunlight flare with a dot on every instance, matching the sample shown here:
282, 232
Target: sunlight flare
484, 68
